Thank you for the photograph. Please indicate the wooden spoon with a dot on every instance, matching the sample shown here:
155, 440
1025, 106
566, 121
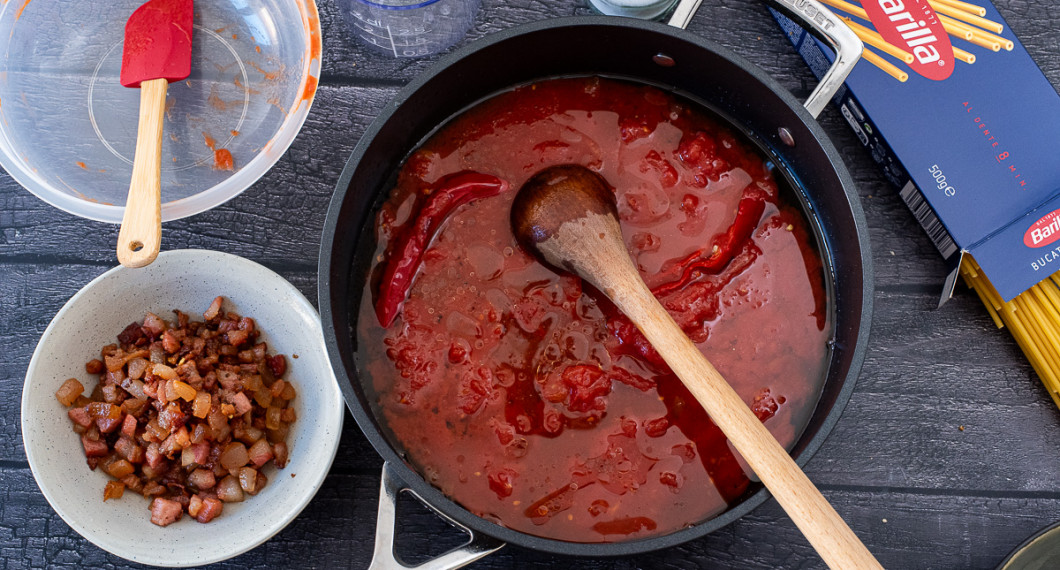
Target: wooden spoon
567, 214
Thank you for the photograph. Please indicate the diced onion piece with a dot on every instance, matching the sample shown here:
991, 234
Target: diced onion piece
113, 490
187, 456
200, 433
263, 397
229, 491
252, 434
272, 418
252, 382
164, 372
137, 367
134, 387
202, 479
120, 469
194, 505
184, 391
156, 432
67, 393
200, 407
234, 456
248, 480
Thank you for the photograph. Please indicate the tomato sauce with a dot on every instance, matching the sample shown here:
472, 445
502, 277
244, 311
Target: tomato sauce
523, 394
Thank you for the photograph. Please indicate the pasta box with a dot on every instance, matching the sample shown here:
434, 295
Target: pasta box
963, 123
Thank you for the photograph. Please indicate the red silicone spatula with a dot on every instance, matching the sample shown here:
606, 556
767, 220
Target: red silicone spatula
157, 51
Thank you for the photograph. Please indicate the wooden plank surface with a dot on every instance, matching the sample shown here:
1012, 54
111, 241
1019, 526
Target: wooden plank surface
920, 491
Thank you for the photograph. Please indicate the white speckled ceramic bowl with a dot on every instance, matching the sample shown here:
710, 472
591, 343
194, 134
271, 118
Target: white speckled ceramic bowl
187, 280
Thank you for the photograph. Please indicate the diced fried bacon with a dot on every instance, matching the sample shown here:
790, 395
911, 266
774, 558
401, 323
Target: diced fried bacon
153, 325
171, 418
131, 335
230, 380
165, 511
201, 452
186, 416
94, 366
237, 337
211, 509
241, 402
128, 426
94, 448
170, 344
214, 309
278, 364
177, 441
128, 448
108, 425
260, 452
80, 417
154, 457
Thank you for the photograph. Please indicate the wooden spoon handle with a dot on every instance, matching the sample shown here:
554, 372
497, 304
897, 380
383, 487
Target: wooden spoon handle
140, 236
838, 546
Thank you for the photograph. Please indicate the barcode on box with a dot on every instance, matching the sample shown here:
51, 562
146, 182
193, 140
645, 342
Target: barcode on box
923, 213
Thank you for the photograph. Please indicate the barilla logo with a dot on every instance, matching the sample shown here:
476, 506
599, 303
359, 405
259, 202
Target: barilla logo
1043, 232
913, 26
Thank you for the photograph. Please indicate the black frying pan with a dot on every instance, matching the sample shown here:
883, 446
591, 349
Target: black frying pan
624, 48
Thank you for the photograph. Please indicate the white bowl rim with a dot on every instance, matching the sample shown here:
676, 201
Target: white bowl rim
241, 546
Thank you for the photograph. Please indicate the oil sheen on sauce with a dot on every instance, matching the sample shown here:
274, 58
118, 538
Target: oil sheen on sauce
524, 395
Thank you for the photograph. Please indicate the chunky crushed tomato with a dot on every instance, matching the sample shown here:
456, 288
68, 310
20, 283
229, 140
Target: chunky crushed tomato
523, 394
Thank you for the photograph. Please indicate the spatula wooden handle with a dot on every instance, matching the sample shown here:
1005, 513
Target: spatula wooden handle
141, 227
838, 546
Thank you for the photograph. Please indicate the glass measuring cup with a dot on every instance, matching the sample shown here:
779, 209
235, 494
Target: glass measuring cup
410, 28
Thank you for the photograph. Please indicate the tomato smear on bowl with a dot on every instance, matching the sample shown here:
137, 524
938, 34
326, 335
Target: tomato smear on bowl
525, 395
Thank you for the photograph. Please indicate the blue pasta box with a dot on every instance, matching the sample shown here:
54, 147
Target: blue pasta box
963, 123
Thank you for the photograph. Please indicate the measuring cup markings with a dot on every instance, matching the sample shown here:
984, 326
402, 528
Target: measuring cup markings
406, 28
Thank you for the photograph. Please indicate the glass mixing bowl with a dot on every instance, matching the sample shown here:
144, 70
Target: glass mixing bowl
68, 127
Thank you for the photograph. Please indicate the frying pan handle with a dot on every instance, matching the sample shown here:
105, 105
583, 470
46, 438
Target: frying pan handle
384, 557
823, 24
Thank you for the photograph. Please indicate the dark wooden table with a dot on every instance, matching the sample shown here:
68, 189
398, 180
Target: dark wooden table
947, 455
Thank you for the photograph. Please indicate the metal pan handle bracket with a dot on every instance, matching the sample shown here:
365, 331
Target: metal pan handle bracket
384, 557
823, 24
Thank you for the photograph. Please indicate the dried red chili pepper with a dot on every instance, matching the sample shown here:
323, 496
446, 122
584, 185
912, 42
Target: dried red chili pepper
713, 260
448, 193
